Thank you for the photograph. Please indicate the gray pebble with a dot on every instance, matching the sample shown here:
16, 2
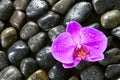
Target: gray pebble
92, 73
36, 8
36, 42
62, 6
112, 70
10, 73
17, 19
102, 6
48, 21
28, 66
17, 52
116, 32
45, 59
1, 26
6, 9
21, 4
110, 19
79, 12
3, 60
52, 2
95, 25
54, 32
74, 78
28, 30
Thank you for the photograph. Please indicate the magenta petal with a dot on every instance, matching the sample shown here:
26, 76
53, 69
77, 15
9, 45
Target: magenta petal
73, 28
63, 47
95, 40
71, 65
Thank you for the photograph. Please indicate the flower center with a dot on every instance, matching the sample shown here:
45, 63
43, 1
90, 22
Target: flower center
80, 53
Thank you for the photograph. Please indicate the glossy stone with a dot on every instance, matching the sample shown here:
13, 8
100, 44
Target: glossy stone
79, 12
48, 21
17, 19
73, 78
37, 41
1, 26
21, 4
110, 19
36, 8
3, 60
62, 6
28, 66
96, 26
54, 32
92, 73
45, 59
39, 75
28, 30
102, 6
10, 73
17, 52
8, 37
112, 70
6, 9
116, 32
52, 2
57, 72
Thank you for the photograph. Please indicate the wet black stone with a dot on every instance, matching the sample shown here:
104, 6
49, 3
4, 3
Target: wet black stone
79, 12
52, 2
17, 52
10, 73
3, 60
112, 70
6, 9
102, 6
96, 26
116, 32
28, 30
110, 42
48, 21
54, 32
45, 59
116, 4
1, 25
92, 73
36, 8
59, 73
36, 42
62, 6
28, 66
21, 4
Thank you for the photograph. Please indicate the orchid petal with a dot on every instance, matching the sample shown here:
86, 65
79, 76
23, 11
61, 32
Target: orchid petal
73, 28
63, 48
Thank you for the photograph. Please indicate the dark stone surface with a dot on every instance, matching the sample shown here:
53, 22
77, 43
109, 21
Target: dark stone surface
116, 4
54, 32
1, 25
92, 73
74, 78
36, 42
17, 52
52, 2
10, 73
102, 6
28, 66
112, 70
116, 32
110, 19
21, 4
6, 9
36, 8
29, 30
48, 21
95, 25
3, 60
17, 19
79, 12
62, 6
45, 59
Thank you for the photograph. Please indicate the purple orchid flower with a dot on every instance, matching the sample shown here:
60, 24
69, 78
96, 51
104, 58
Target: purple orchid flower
79, 43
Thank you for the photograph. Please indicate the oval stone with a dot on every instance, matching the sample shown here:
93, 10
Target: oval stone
8, 37
79, 12
110, 19
116, 32
28, 30
52, 2
17, 52
28, 66
39, 75
10, 73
